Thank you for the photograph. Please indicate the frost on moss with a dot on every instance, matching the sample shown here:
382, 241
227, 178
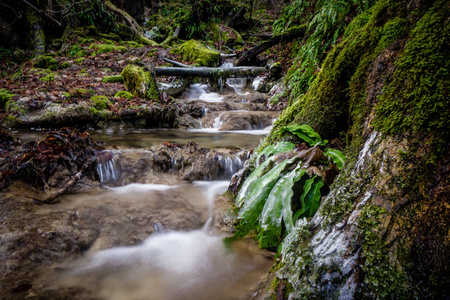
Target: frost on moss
197, 53
140, 83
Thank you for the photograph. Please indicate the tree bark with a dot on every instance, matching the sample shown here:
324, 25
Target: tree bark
248, 57
210, 72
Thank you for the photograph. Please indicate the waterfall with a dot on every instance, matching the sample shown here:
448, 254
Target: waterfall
198, 92
107, 170
237, 83
228, 165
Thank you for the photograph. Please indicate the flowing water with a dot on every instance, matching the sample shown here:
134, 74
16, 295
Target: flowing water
184, 257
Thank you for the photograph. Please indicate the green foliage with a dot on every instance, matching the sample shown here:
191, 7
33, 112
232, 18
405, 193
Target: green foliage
306, 133
310, 198
266, 198
336, 156
326, 22
89, 12
273, 149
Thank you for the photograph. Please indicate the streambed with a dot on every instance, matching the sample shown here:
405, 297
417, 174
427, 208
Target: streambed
150, 236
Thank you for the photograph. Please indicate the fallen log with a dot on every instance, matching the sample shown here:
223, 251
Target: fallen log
248, 57
210, 72
175, 63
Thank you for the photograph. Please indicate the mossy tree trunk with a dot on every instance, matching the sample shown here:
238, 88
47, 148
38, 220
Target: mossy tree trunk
36, 25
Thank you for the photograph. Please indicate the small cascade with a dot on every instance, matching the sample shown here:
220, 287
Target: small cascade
237, 84
198, 92
228, 165
107, 170
218, 122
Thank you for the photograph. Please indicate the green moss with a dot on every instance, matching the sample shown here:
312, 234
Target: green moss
139, 82
152, 52
416, 101
196, 52
84, 41
5, 96
124, 94
226, 35
46, 62
79, 60
100, 102
112, 79
65, 65
107, 41
48, 77
81, 93
104, 48
110, 36
15, 108
382, 279
131, 44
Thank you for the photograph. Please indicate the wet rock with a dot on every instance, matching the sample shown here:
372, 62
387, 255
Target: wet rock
239, 120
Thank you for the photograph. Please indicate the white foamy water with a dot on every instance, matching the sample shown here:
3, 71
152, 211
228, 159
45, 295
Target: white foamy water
198, 92
171, 265
141, 187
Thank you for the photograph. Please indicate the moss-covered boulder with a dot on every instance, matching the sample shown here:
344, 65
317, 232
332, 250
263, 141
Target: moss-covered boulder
140, 83
46, 62
197, 53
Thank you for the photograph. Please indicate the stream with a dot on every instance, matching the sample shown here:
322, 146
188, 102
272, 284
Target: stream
183, 255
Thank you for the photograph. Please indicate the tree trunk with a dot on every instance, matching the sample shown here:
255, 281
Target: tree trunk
248, 57
210, 72
138, 31
36, 25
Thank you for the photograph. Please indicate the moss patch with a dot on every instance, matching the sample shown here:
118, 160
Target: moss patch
5, 96
124, 94
104, 48
197, 53
113, 79
46, 62
80, 93
100, 102
139, 82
